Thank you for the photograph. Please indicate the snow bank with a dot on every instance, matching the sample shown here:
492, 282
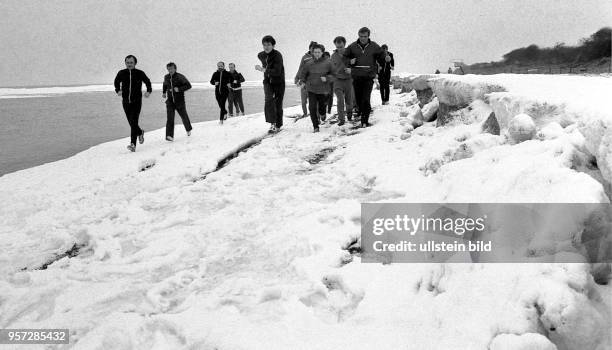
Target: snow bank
263, 253
562, 99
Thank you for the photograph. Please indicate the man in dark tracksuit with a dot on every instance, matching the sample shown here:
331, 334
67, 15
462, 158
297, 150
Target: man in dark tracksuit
175, 85
128, 85
316, 75
343, 83
235, 93
274, 82
221, 80
303, 93
386, 64
363, 55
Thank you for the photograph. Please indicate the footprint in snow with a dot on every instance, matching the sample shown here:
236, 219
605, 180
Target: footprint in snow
336, 302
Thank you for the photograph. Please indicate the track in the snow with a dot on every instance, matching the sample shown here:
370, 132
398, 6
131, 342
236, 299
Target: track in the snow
244, 147
70, 253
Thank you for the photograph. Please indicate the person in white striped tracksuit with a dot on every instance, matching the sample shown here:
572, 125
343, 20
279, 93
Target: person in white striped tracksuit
221, 80
128, 85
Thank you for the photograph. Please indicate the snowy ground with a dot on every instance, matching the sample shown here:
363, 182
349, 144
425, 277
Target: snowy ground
251, 256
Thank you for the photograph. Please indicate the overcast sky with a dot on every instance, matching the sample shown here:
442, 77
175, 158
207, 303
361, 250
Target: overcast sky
53, 42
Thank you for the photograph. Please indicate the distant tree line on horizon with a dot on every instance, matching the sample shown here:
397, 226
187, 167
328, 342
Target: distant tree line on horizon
595, 47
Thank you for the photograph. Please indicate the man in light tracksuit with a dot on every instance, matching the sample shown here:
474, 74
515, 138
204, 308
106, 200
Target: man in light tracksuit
343, 84
174, 87
303, 93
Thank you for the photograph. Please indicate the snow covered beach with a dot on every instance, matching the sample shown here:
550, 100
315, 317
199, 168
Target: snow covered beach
172, 254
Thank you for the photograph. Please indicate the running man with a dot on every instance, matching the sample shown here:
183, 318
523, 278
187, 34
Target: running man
316, 75
274, 82
303, 93
174, 87
343, 83
221, 80
385, 65
128, 85
235, 92
363, 55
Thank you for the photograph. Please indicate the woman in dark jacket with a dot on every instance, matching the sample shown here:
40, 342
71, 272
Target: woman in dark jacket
317, 75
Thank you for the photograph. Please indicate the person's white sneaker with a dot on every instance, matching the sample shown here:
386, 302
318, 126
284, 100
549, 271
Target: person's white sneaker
189, 133
169, 138
131, 147
141, 137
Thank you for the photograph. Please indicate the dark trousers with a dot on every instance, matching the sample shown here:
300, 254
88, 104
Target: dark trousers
182, 111
221, 99
316, 105
384, 89
132, 112
330, 98
273, 107
234, 99
363, 91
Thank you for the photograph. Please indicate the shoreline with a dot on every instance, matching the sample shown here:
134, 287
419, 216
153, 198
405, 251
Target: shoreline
42, 91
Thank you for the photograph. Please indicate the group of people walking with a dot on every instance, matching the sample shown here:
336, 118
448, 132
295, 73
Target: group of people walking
349, 73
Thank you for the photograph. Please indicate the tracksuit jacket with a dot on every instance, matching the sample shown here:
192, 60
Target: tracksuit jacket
179, 81
385, 67
223, 77
239, 79
275, 70
129, 81
367, 56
